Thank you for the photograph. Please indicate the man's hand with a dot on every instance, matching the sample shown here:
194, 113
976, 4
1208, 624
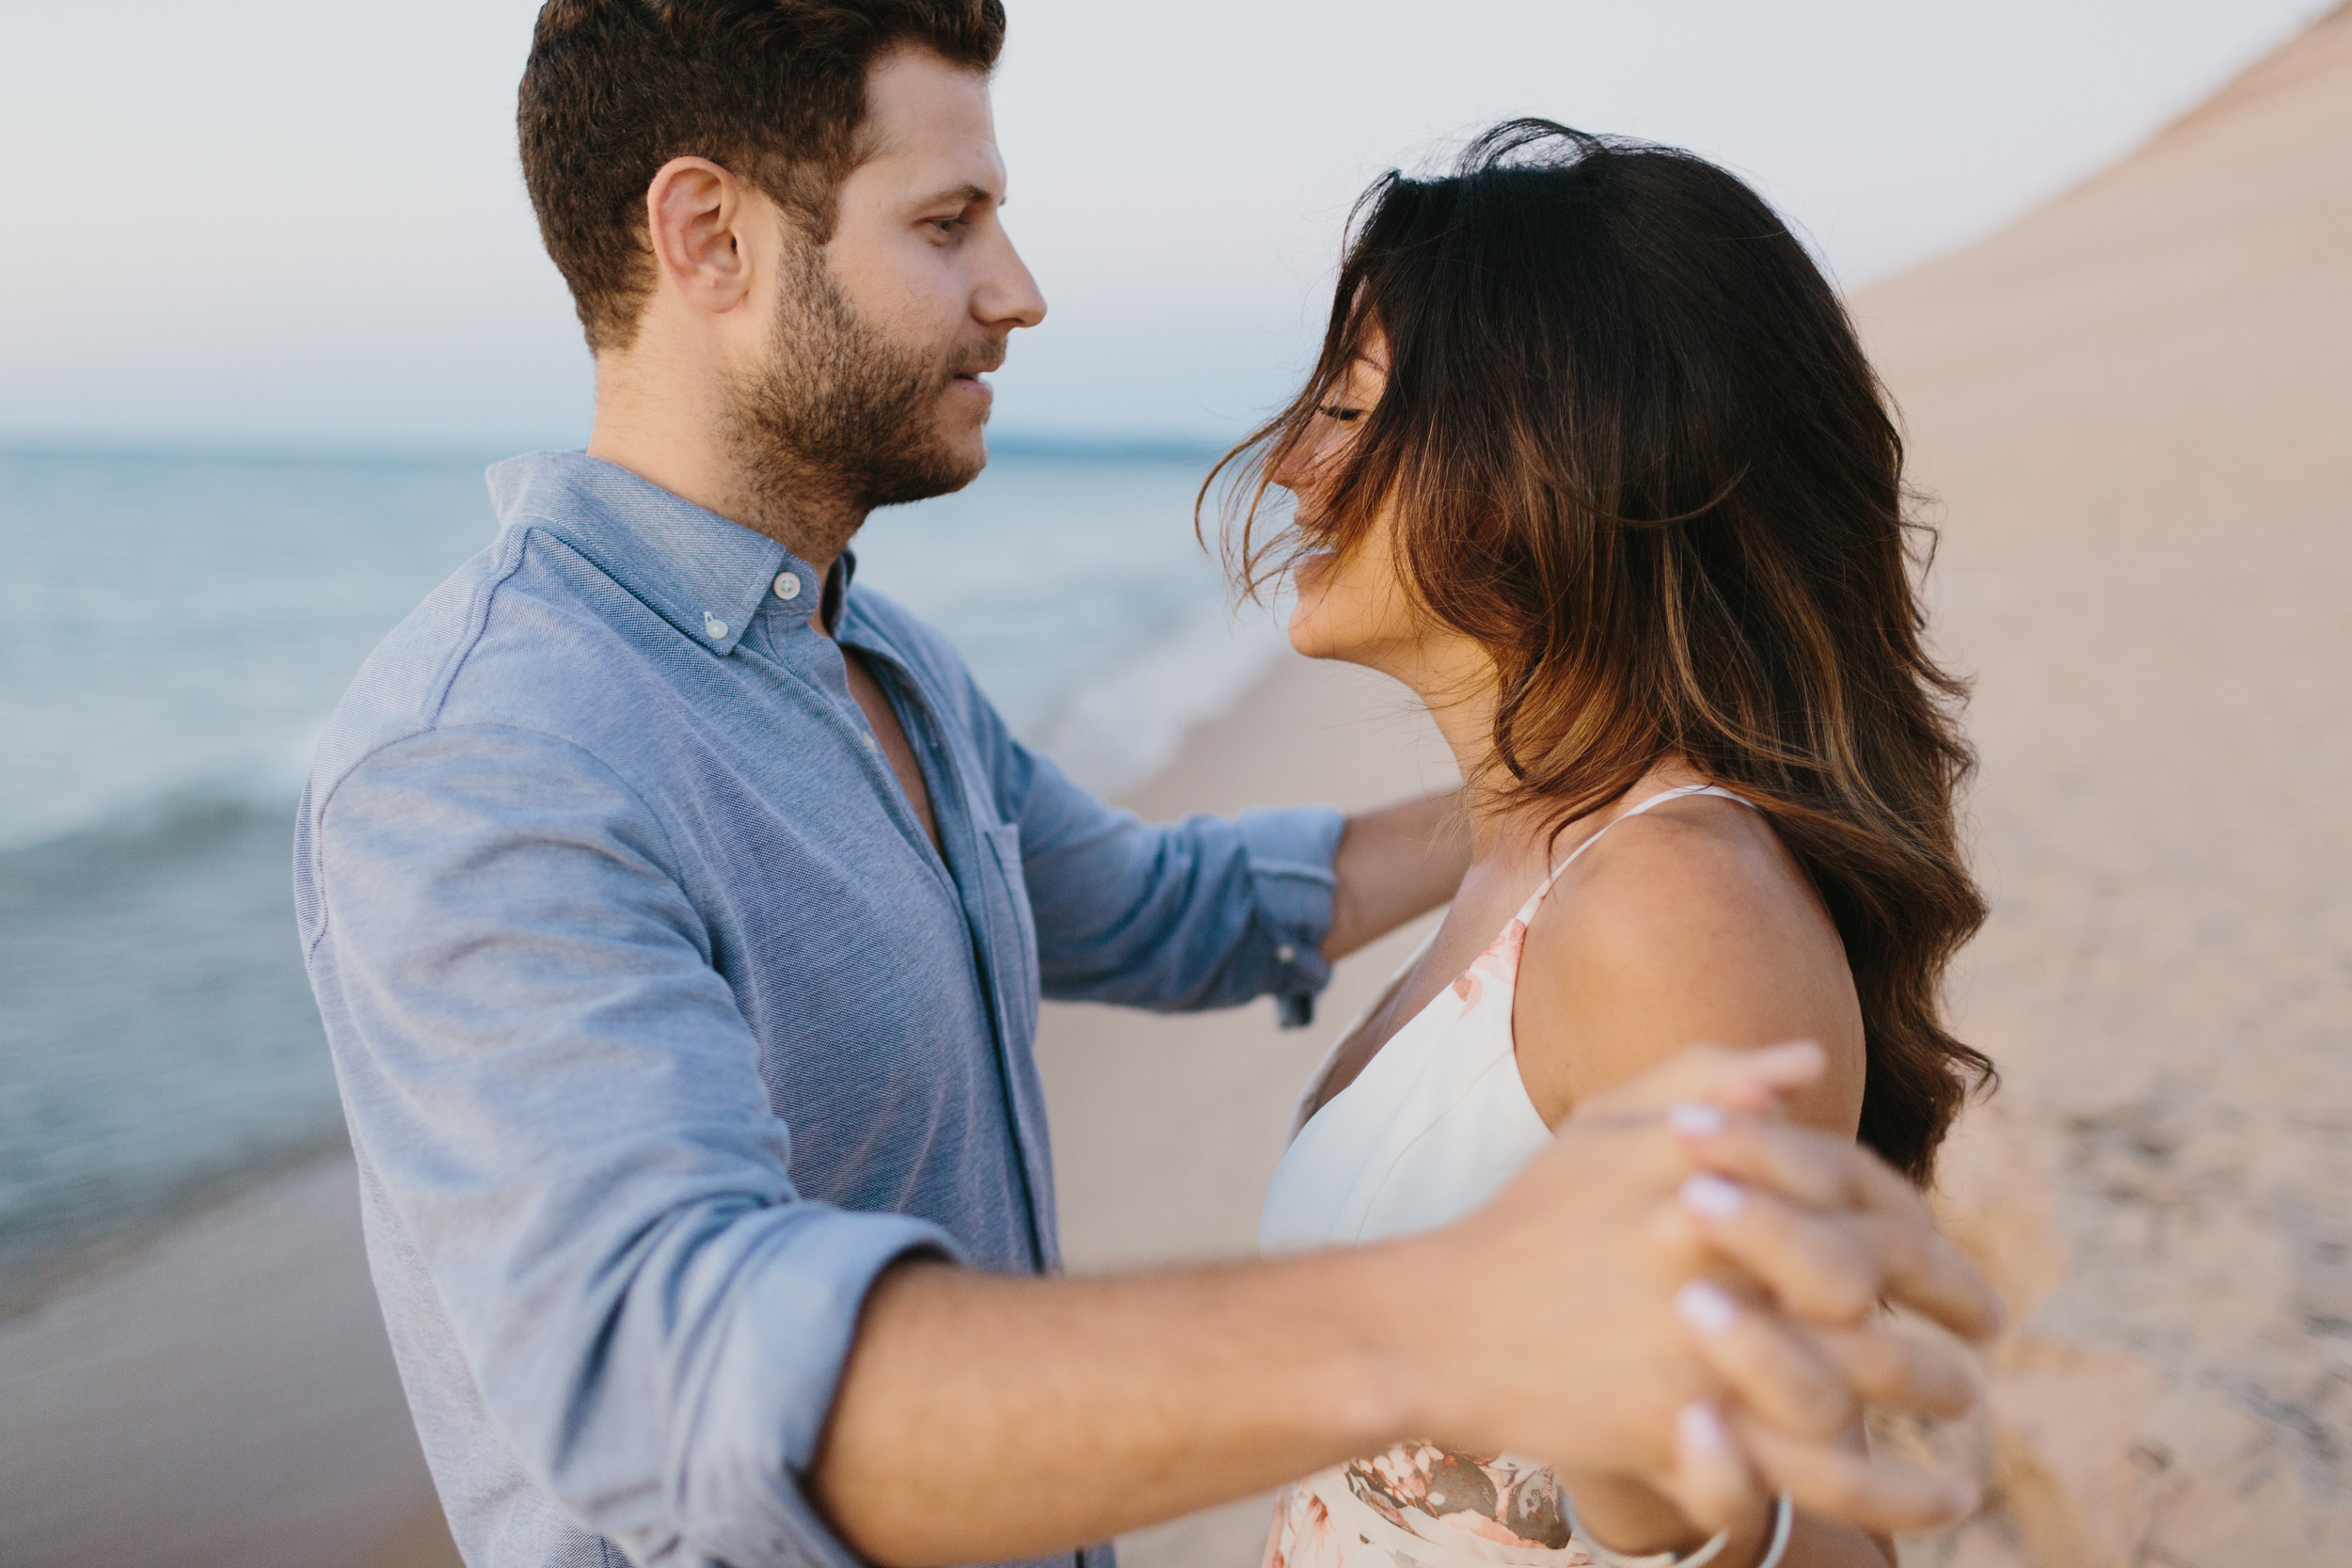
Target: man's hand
984, 1418
1733, 1265
1395, 864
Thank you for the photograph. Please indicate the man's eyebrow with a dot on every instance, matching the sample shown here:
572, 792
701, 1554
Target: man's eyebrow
964, 194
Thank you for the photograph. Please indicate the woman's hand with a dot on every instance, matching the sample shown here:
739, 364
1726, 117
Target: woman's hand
1683, 1175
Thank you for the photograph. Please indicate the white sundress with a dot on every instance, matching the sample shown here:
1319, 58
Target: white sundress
1437, 1123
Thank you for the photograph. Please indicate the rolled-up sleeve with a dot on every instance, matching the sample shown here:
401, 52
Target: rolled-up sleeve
561, 1103
1206, 913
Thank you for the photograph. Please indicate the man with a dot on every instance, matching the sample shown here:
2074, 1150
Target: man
679, 912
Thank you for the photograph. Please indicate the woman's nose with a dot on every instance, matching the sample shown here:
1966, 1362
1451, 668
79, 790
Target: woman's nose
1294, 466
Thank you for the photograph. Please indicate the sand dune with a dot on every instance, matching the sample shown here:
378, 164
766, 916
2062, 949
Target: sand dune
2134, 410
2134, 407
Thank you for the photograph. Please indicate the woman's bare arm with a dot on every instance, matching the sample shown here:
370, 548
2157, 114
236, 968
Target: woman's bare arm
1689, 923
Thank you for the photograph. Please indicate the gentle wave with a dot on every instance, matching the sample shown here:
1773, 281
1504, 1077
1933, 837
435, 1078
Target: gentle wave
173, 819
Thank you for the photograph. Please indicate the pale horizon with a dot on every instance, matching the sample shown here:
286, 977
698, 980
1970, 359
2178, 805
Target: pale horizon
294, 229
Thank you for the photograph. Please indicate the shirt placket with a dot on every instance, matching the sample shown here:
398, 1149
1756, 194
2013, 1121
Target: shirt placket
970, 869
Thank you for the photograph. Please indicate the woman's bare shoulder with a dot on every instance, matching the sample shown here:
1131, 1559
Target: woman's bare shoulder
1690, 923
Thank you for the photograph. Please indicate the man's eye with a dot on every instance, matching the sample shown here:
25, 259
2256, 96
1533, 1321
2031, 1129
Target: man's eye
1334, 411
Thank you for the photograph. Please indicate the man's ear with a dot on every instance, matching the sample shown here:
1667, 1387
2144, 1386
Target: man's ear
695, 214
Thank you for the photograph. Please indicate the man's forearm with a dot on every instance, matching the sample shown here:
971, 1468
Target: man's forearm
1029, 1417
981, 1417
1393, 865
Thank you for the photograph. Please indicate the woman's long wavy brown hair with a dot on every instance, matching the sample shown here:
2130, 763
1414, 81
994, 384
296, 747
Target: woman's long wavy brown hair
1630, 445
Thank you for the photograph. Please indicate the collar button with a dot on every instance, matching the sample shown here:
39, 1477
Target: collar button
787, 586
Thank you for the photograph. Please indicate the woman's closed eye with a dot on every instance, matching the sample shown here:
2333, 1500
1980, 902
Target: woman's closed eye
1337, 411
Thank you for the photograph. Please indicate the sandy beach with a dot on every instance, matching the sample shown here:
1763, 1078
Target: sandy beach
224, 1396
2131, 409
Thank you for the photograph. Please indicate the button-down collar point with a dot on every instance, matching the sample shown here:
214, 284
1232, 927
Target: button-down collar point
691, 567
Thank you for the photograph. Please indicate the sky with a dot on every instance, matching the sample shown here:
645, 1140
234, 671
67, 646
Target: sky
301, 222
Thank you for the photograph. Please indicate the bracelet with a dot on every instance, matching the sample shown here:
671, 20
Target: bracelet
1783, 1521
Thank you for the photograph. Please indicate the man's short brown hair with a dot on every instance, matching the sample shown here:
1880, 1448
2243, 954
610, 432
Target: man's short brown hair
772, 90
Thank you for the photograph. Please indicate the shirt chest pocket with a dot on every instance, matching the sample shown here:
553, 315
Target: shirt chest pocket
1016, 945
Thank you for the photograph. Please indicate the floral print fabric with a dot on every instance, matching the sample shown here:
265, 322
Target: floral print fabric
1421, 1506
1417, 1505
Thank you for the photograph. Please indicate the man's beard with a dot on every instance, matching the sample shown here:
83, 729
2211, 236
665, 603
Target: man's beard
842, 419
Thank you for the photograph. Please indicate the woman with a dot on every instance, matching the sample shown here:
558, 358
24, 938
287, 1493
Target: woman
1593, 463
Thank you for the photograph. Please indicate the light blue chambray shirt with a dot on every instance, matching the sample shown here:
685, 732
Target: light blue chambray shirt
661, 1027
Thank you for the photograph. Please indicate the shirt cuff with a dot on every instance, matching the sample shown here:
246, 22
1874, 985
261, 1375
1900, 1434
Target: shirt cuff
1289, 851
810, 1300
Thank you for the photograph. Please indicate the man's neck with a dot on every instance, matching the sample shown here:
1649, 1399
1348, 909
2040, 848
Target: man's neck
684, 447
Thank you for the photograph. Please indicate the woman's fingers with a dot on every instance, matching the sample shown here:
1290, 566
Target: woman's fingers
1711, 1483
1820, 1172
1805, 1165
1801, 1165
1775, 1369
1817, 1266
1750, 1082
1832, 1267
1876, 1493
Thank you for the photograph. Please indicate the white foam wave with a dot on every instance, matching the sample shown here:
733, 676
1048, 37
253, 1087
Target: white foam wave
1120, 728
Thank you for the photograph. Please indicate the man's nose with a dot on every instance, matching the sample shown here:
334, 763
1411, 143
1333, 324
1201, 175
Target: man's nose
1010, 297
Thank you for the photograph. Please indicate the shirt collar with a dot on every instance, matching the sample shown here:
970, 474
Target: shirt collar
701, 573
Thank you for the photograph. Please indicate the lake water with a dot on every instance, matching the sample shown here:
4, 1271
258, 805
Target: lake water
174, 628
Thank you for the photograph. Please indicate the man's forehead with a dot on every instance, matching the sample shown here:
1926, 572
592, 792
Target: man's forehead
930, 122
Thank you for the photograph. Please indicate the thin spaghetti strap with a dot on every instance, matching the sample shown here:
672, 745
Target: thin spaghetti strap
1680, 792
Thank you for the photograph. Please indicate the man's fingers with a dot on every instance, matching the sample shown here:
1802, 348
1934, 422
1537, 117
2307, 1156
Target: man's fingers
1921, 1270
1833, 1268
1886, 1365
1875, 1493
1778, 1374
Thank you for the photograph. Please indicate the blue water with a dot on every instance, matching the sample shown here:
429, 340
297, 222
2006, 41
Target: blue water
174, 628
